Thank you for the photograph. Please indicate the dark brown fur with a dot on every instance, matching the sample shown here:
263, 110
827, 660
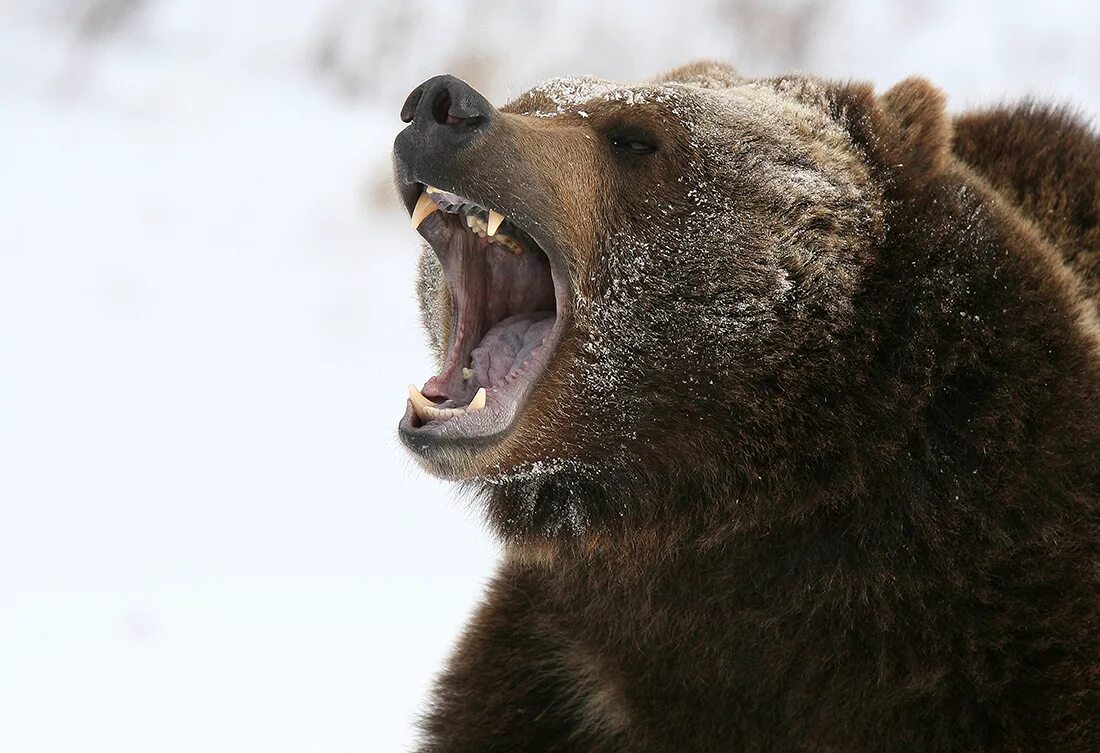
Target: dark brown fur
877, 528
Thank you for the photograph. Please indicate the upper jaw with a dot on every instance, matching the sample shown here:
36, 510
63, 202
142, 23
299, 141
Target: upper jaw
493, 410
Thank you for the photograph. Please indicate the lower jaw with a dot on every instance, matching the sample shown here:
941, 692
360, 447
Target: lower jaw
462, 448
503, 359
503, 404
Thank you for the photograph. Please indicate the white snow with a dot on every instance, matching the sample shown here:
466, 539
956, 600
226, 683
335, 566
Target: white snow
209, 537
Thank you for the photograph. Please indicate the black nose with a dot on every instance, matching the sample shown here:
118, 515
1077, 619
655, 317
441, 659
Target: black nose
445, 103
447, 119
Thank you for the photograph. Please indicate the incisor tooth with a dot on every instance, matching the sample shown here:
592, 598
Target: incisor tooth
424, 207
421, 404
478, 402
467, 373
427, 410
445, 412
495, 218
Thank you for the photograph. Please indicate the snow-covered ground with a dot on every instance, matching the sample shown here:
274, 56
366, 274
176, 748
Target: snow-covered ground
209, 537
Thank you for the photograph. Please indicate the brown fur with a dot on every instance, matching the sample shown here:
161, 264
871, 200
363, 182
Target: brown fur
1046, 163
817, 466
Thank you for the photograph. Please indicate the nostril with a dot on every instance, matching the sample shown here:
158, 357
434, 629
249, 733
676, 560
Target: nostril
441, 109
446, 101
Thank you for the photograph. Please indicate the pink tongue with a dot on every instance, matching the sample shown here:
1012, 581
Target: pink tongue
506, 346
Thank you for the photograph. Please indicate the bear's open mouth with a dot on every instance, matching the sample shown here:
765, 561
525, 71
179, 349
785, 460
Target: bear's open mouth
505, 319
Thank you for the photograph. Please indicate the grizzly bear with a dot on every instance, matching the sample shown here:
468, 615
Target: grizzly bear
784, 399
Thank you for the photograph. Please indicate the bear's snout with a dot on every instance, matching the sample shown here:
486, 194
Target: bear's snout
445, 115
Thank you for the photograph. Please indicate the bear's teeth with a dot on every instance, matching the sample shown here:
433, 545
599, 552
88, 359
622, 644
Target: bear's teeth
424, 208
478, 402
478, 226
508, 243
467, 373
420, 403
445, 412
428, 411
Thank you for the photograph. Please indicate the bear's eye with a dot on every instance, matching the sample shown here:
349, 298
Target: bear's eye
633, 145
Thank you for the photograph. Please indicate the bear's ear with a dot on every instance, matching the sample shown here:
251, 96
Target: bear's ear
906, 131
709, 74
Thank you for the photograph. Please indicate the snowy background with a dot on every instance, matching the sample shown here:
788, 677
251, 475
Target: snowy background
209, 538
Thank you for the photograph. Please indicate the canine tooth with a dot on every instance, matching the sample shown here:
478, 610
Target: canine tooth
424, 207
422, 405
478, 402
467, 373
495, 218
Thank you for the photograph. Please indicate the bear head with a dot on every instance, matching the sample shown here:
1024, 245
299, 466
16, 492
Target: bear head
647, 286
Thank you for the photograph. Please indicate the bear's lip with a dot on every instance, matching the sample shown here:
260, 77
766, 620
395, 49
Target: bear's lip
510, 297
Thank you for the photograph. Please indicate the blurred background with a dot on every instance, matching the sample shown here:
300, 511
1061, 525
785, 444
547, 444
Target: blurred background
209, 537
